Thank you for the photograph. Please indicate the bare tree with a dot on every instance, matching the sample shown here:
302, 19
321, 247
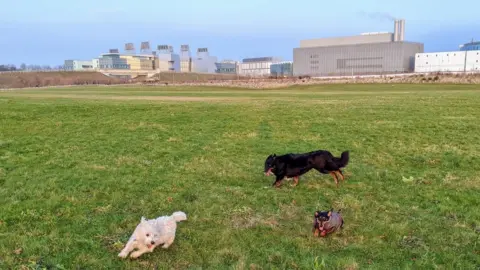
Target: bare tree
7, 67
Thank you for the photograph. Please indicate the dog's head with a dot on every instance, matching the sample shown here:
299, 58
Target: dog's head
322, 216
269, 164
146, 234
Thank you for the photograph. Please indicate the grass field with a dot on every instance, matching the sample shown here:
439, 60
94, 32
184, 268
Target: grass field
80, 166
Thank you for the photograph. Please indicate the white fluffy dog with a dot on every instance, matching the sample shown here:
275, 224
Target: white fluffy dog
151, 233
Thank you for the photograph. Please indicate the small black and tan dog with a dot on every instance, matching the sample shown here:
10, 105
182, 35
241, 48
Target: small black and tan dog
294, 165
326, 222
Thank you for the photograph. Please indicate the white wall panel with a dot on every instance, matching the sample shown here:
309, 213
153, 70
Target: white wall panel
440, 62
473, 61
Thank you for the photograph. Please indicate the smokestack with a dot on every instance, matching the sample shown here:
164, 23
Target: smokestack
399, 30
401, 37
395, 31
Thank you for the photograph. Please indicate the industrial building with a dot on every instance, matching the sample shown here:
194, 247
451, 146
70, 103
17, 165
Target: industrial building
160, 60
96, 63
125, 61
227, 67
167, 59
112, 61
140, 62
80, 65
471, 46
364, 54
258, 66
282, 69
164, 60
185, 59
456, 61
204, 62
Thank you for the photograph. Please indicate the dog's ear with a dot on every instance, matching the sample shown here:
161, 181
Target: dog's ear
329, 213
274, 155
317, 213
143, 219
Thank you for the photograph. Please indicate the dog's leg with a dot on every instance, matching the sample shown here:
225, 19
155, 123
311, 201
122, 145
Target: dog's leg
278, 181
316, 232
128, 248
334, 177
295, 180
139, 252
168, 242
341, 174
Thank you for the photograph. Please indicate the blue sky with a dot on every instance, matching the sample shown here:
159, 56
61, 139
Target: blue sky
49, 31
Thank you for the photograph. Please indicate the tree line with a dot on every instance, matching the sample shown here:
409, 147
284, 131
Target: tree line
25, 67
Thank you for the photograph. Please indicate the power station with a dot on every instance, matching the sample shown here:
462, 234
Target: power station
371, 53
364, 54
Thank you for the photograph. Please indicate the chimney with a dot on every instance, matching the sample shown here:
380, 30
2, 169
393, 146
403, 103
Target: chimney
401, 36
395, 31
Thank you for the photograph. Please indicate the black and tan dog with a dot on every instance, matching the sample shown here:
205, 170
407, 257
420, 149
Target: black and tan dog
294, 165
326, 222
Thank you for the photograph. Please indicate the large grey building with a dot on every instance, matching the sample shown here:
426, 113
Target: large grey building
368, 53
204, 62
185, 58
227, 67
113, 61
257, 66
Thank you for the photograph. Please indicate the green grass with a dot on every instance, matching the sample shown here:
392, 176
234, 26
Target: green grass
77, 174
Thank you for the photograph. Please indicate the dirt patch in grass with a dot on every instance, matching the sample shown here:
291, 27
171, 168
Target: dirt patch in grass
225, 99
153, 98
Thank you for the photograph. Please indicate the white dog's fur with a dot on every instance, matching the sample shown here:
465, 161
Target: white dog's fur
151, 233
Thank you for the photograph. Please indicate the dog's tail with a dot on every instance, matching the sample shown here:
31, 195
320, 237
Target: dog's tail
343, 160
179, 216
